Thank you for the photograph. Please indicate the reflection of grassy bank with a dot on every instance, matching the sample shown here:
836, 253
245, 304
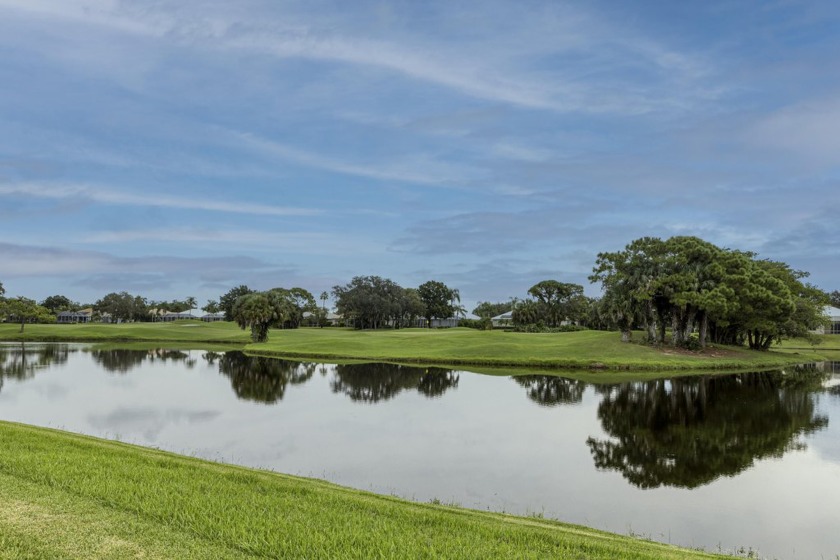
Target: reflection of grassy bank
453, 347
63, 495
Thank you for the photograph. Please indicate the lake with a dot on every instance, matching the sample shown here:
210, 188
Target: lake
726, 462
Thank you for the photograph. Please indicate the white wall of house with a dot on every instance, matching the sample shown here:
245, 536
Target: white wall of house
834, 314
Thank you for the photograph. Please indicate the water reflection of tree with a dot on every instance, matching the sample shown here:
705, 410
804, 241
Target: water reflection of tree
549, 390
376, 382
687, 432
262, 379
116, 360
21, 362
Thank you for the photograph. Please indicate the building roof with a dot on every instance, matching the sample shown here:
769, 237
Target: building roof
506, 316
832, 312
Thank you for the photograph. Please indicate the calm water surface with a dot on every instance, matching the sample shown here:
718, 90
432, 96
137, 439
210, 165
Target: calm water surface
747, 460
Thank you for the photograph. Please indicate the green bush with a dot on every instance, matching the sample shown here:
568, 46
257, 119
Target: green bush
483, 324
541, 328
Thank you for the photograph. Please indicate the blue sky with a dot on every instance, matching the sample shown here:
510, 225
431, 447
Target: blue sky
179, 148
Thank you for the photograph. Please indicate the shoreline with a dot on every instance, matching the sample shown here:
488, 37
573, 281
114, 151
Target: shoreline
584, 351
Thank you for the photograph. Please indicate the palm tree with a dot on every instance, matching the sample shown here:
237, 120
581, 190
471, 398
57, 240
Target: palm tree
191, 303
458, 310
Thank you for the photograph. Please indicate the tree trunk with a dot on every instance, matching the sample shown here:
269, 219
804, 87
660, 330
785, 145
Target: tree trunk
651, 332
22, 323
676, 331
688, 326
704, 327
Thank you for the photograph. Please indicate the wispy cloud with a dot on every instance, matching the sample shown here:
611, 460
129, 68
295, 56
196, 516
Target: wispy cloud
806, 130
34, 261
118, 197
487, 66
418, 171
309, 243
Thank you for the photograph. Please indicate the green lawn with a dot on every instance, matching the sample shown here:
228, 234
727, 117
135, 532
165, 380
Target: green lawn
826, 343
576, 350
177, 331
69, 496
584, 349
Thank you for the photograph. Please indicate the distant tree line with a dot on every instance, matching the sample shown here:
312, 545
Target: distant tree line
684, 291
371, 302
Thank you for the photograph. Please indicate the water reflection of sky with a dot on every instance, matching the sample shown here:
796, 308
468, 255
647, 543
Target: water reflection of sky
481, 441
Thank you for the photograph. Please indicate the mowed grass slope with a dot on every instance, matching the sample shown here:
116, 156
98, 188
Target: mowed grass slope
584, 349
69, 496
576, 350
176, 331
825, 343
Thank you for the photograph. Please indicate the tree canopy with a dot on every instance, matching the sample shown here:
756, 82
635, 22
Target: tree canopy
438, 300
278, 307
59, 303
488, 310
227, 301
24, 310
554, 303
212, 306
690, 284
123, 306
370, 302
258, 311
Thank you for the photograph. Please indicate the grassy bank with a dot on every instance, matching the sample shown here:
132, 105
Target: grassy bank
70, 496
177, 331
577, 350
825, 344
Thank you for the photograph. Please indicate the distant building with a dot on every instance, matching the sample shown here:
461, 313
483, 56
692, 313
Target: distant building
834, 314
168, 317
503, 320
66, 317
213, 317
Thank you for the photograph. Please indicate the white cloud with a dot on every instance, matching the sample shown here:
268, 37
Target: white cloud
420, 170
493, 65
115, 197
32, 261
806, 130
308, 243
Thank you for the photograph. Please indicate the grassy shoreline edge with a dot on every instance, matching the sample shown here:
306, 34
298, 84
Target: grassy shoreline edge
69, 494
593, 351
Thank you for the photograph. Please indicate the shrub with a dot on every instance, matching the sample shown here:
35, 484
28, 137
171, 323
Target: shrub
540, 328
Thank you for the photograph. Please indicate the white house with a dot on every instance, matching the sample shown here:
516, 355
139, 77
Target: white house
834, 314
177, 316
213, 317
73, 317
503, 320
